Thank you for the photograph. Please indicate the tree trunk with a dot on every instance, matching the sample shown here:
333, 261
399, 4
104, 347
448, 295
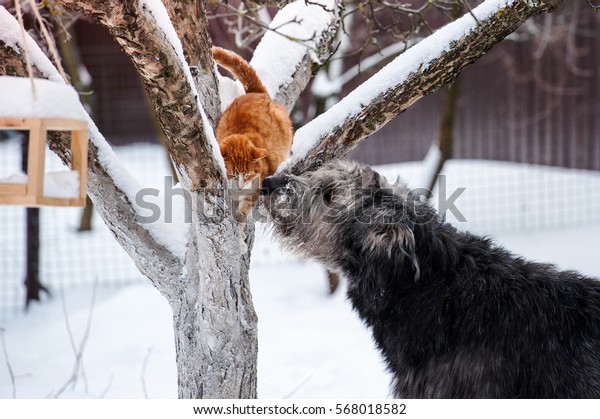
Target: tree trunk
215, 359
32, 274
213, 316
85, 223
446, 135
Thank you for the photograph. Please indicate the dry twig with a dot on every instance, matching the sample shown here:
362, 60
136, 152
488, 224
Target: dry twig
8, 364
78, 369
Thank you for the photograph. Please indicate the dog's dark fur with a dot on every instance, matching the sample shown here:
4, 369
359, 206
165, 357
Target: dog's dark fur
453, 314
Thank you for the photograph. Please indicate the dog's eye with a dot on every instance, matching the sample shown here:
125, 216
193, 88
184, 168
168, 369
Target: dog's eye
328, 195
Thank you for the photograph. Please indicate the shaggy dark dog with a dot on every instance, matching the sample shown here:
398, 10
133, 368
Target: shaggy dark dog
454, 315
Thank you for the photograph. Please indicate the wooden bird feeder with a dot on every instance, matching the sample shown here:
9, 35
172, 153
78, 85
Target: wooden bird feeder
48, 107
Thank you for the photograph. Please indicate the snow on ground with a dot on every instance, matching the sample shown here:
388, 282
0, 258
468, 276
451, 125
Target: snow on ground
311, 345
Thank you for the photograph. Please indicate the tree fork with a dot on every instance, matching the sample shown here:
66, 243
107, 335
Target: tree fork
164, 75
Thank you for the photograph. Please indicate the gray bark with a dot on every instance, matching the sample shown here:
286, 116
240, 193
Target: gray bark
214, 319
192, 29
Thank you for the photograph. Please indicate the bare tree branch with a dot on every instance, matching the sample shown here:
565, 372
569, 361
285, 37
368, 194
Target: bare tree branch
189, 20
143, 372
357, 116
8, 364
77, 351
592, 5
107, 388
166, 77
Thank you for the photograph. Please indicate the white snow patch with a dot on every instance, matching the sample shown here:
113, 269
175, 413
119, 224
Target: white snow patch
229, 90
84, 75
49, 99
414, 59
61, 184
15, 178
297, 28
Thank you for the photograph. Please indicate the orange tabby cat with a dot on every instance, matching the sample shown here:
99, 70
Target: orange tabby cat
254, 133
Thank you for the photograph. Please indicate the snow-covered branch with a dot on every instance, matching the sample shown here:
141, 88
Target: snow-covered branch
189, 20
110, 185
421, 70
286, 58
325, 85
146, 34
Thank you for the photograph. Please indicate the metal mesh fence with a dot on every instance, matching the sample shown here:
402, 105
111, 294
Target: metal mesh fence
498, 197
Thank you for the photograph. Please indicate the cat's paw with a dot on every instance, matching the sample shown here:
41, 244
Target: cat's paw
244, 211
243, 245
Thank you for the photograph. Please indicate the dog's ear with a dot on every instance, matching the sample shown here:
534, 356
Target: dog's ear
388, 239
370, 179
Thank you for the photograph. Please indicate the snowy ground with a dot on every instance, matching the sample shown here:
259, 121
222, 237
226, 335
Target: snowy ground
311, 345
307, 339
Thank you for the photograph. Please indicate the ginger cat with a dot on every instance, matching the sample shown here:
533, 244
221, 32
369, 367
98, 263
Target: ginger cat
254, 133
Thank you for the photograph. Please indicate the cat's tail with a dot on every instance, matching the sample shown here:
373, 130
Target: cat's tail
240, 69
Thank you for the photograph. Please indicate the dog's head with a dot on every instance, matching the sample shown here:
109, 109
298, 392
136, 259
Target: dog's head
343, 214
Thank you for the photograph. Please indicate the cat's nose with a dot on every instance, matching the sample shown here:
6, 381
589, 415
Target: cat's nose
272, 183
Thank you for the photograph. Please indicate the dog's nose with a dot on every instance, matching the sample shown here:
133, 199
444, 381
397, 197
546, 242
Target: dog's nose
272, 183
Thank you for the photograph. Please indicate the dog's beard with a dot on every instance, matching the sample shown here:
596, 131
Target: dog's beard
289, 210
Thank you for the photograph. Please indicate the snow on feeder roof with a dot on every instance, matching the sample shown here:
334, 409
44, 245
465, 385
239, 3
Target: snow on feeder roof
48, 106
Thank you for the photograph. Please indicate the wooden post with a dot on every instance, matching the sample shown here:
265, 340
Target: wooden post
36, 162
79, 158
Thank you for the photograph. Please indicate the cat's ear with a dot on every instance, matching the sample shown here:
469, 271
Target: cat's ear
223, 148
258, 153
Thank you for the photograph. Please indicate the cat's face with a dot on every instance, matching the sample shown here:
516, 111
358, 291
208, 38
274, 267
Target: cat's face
242, 159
